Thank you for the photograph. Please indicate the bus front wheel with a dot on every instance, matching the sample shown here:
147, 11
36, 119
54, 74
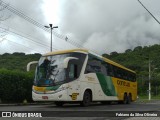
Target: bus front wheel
86, 99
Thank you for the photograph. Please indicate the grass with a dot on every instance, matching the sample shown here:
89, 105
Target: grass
144, 98
152, 97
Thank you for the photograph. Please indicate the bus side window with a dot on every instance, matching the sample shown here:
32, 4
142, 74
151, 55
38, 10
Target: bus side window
115, 71
93, 66
88, 69
133, 77
125, 75
109, 70
103, 69
73, 71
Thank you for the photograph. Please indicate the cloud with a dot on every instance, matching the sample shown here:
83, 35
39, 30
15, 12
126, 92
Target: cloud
110, 25
39, 11
103, 26
22, 27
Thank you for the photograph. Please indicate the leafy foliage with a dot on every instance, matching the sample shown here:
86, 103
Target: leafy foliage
15, 82
138, 60
17, 61
16, 86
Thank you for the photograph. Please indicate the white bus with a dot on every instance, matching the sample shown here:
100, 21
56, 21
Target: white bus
80, 76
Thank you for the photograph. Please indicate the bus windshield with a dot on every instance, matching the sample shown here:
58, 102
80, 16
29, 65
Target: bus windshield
50, 70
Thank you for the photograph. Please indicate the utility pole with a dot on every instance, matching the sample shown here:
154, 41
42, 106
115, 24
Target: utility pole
150, 74
149, 90
51, 27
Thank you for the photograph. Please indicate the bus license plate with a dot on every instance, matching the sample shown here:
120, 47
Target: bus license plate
45, 97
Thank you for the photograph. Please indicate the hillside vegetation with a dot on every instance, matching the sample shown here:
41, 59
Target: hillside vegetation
17, 61
15, 82
14, 78
138, 60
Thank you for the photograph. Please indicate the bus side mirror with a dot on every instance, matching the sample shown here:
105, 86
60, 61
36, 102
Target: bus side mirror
66, 61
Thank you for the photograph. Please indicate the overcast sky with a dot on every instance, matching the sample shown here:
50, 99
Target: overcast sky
103, 26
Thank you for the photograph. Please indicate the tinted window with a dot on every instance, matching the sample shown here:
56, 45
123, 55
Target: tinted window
93, 65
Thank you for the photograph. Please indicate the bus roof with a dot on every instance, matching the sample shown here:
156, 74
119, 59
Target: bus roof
65, 51
116, 64
87, 52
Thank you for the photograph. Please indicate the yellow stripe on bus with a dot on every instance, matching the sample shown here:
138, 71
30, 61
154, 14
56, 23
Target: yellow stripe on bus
65, 51
39, 89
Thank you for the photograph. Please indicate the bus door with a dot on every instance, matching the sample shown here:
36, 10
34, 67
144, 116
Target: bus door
74, 83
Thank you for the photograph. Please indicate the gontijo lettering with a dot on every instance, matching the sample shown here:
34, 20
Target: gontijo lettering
123, 83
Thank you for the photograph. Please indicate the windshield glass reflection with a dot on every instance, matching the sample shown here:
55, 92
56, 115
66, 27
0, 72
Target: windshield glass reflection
50, 70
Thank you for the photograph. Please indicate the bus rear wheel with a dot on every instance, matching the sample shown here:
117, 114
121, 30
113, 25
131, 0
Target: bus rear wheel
125, 100
57, 103
86, 99
129, 99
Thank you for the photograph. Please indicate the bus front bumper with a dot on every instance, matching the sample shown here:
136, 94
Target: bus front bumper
58, 96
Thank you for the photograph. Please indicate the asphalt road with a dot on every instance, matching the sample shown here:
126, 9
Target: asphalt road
95, 111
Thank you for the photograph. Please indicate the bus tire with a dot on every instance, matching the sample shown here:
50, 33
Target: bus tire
86, 99
59, 104
125, 99
129, 99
